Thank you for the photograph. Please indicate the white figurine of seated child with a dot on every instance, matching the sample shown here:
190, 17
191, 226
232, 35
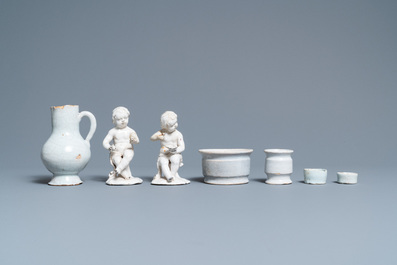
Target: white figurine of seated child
122, 150
170, 158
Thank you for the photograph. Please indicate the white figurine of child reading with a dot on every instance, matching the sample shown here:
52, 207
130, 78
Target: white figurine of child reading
122, 149
170, 158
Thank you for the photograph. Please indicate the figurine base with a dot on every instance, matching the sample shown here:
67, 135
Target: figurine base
65, 180
226, 181
120, 181
278, 179
176, 181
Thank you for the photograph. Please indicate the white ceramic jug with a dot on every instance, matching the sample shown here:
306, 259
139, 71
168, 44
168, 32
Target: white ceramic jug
66, 153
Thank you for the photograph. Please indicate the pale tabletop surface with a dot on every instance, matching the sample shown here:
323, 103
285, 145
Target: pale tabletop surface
199, 223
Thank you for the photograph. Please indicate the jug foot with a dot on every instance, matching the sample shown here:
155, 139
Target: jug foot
65, 180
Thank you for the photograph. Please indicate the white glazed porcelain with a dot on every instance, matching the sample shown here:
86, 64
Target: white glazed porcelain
278, 166
315, 175
226, 166
66, 153
170, 157
347, 177
121, 150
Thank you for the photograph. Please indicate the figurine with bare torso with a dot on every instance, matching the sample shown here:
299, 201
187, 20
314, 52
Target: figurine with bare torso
122, 150
170, 158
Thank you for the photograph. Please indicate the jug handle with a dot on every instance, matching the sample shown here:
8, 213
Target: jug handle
93, 124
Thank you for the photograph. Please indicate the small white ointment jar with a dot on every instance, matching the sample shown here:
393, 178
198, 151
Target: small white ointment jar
315, 175
226, 166
347, 177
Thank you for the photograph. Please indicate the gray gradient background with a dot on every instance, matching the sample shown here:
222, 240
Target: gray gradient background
314, 76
